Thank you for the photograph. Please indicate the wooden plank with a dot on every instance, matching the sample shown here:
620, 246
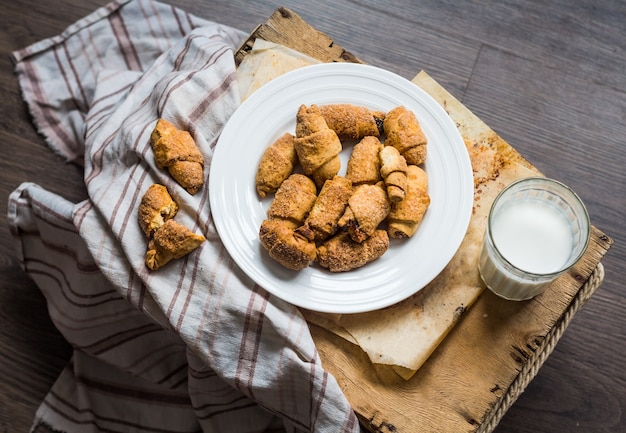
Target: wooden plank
461, 384
287, 28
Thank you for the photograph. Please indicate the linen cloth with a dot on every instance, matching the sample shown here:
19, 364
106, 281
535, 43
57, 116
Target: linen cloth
196, 345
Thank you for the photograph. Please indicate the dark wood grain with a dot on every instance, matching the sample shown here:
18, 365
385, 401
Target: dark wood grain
547, 76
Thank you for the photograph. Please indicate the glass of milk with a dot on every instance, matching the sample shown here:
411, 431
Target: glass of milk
537, 229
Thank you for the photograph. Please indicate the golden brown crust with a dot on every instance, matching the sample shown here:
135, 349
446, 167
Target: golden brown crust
367, 208
393, 170
328, 208
291, 205
352, 121
294, 199
364, 163
340, 253
286, 246
171, 241
156, 207
404, 132
188, 174
405, 216
276, 164
176, 150
317, 146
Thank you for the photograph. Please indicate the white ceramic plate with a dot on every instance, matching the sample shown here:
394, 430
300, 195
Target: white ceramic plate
408, 265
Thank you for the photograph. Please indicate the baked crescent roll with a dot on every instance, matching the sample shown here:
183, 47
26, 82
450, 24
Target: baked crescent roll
367, 208
405, 134
328, 208
291, 205
393, 170
353, 121
364, 163
156, 207
340, 253
176, 150
276, 165
171, 241
317, 146
406, 215
293, 199
285, 245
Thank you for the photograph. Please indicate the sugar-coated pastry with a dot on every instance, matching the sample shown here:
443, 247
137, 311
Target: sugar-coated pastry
406, 215
404, 132
340, 253
176, 150
276, 165
285, 245
317, 146
364, 162
393, 170
328, 208
171, 241
353, 121
291, 205
367, 208
293, 199
156, 207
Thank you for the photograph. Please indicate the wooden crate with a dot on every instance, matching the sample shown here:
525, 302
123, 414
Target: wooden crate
494, 350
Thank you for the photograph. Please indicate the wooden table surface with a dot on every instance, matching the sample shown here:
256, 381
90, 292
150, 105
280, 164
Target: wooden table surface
547, 76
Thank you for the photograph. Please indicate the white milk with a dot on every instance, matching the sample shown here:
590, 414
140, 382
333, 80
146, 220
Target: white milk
533, 236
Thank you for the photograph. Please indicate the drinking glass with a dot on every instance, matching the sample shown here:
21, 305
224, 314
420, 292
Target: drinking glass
537, 229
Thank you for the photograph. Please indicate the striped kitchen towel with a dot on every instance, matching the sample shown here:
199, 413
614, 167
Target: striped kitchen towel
195, 346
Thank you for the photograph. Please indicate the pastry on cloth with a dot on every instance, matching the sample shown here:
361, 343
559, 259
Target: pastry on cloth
156, 207
340, 253
406, 215
367, 208
317, 146
276, 165
329, 206
171, 241
177, 151
393, 169
291, 205
404, 132
364, 162
353, 121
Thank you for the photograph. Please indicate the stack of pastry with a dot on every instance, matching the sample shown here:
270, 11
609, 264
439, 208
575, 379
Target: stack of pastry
383, 194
